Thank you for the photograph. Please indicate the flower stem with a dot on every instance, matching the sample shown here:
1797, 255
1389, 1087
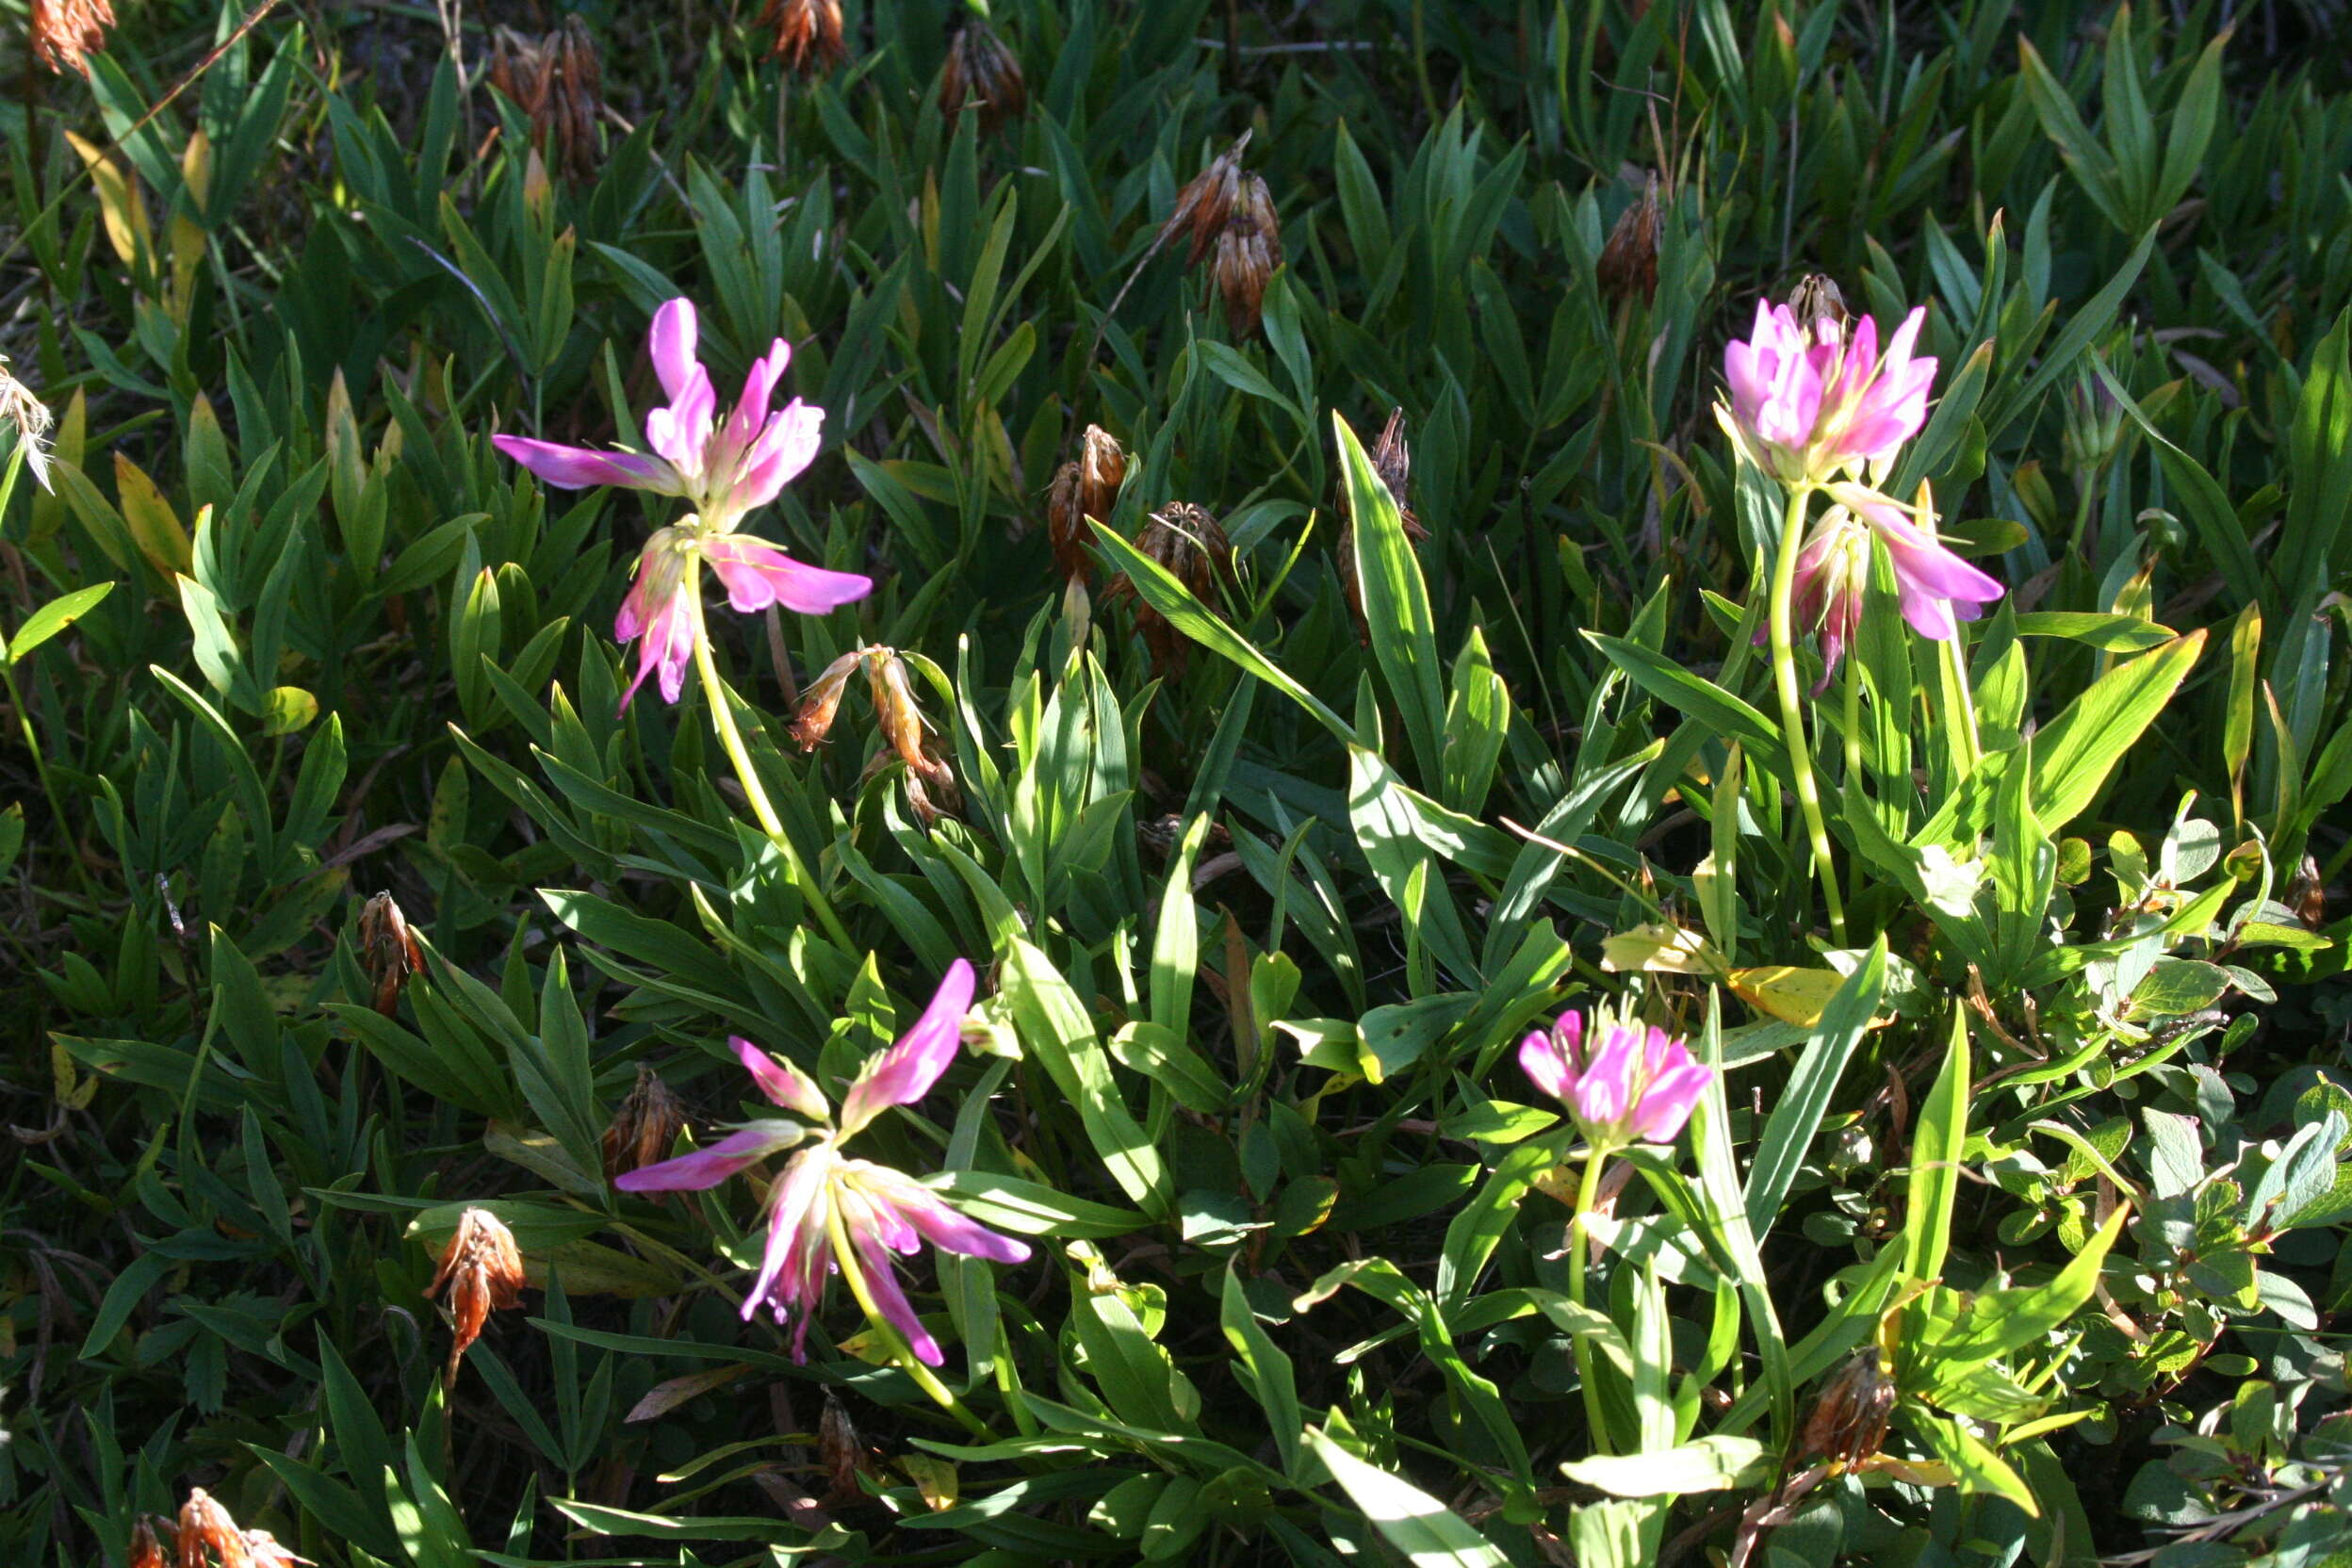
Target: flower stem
901, 1351
1587, 1189
1792, 714
722, 717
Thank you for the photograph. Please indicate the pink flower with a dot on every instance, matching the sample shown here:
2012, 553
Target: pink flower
1808, 402
823, 1195
1634, 1084
726, 470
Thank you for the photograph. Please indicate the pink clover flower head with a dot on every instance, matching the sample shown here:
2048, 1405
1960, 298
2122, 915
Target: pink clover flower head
824, 1196
1936, 589
1626, 1083
1811, 401
656, 615
725, 467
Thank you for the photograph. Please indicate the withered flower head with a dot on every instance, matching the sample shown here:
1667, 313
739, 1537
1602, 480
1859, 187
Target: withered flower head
484, 1272
1817, 298
65, 31
31, 418
1249, 249
903, 724
644, 1128
558, 82
205, 1527
981, 70
388, 951
1185, 540
146, 1551
808, 33
813, 720
1848, 1422
1086, 487
1628, 265
266, 1552
841, 1454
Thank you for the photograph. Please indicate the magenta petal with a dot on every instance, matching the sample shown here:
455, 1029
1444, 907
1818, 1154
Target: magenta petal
791, 1269
751, 409
905, 1071
1539, 1058
785, 446
882, 1284
672, 343
1604, 1090
1669, 1099
667, 645
708, 1168
779, 1081
944, 1228
757, 575
681, 432
579, 467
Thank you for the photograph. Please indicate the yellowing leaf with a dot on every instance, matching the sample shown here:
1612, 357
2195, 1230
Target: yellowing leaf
73, 1090
934, 1477
120, 202
1792, 995
1661, 950
155, 527
288, 709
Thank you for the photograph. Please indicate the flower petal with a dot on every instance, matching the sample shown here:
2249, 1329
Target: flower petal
785, 446
708, 1168
799, 1247
905, 1071
672, 343
779, 1081
578, 467
931, 1217
681, 432
882, 1284
758, 573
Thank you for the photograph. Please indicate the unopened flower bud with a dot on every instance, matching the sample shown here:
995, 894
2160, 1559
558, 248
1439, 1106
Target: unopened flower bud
208, 1537
644, 1128
982, 73
483, 1271
389, 950
2093, 431
1628, 265
1249, 249
1085, 487
808, 33
813, 720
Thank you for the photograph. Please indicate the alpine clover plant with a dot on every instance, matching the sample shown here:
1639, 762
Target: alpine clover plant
1565, 981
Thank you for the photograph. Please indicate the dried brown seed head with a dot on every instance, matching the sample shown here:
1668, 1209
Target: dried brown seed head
1203, 203
146, 1551
66, 31
205, 1528
1628, 265
389, 950
644, 1128
1185, 540
981, 72
903, 724
808, 33
1249, 249
1848, 1422
483, 1271
557, 80
1392, 459
1085, 487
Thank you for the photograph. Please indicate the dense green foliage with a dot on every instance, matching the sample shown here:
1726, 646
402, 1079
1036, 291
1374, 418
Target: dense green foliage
1261, 908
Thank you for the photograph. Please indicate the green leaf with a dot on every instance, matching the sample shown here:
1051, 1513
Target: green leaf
1714, 1464
1429, 1533
54, 617
2075, 752
1934, 1187
1395, 608
1797, 1114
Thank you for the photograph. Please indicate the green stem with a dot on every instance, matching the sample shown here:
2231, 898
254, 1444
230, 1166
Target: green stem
901, 1351
722, 717
1587, 1190
1792, 713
